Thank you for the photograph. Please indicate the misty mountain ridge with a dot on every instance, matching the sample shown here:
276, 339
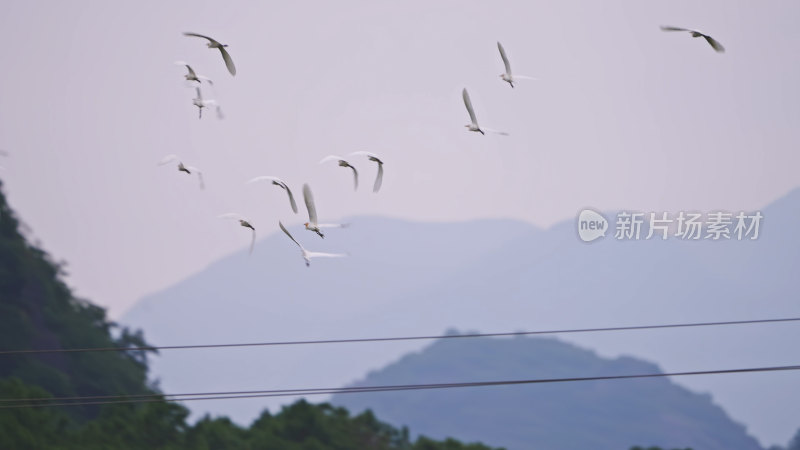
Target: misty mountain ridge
410, 278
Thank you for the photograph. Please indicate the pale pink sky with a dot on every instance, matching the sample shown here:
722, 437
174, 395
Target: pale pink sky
622, 116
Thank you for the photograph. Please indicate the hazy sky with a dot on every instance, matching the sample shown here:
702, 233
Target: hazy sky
622, 116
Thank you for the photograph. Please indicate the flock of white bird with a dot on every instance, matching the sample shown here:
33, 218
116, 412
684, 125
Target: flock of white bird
313, 223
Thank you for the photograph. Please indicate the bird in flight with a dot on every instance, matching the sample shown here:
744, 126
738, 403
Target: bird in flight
183, 168
343, 163
473, 125
192, 75
200, 103
212, 43
243, 222
277, 182
711, 41
373, 157
307, 255
507, 77
312, 224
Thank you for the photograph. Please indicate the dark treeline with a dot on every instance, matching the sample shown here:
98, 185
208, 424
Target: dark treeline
38, 310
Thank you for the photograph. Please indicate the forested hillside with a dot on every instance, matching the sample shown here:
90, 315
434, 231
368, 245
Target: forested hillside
38, 311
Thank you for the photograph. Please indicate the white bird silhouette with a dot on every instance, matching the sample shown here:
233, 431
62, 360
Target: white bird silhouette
312, 224
192, 75
343, 163
473, 126
373, 157
243, 222
182, 168
307, 255
507, 77
711, 41
215, 44
200, 103
277, 182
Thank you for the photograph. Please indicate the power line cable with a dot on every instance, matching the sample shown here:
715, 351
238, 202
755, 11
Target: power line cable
397, 338
120, 399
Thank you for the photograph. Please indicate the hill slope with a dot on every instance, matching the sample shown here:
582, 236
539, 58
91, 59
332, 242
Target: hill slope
38, 311
601, 415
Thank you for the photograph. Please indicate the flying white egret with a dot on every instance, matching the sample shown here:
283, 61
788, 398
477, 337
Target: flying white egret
243, 222
373, 157
507, 77
277, 182
473, 126
343, 163
307, 255
212, 43
312, 224
711, 41
183, 168
192, 75
200, 103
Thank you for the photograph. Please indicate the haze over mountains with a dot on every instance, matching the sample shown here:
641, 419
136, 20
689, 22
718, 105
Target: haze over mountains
406, 278
598, 415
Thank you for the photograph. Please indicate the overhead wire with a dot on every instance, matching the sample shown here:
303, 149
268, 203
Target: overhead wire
396, 338
146, 398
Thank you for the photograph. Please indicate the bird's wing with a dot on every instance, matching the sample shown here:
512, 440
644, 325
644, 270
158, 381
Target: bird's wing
326, 255
252, 241
524, 77
505, 58
378, 179
199, 95
309, 199
714, 44
290, 236
264, 178
665, 28
333, 225
188, 67
203, 77
330, 158
236, 216
200, 36
228, 60
502, 133
220, 115
370, 156
291, 198
355, 177
468, 104
168, 159
199, 175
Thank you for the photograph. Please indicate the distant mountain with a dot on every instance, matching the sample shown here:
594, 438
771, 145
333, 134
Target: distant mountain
597, 415
409, 278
